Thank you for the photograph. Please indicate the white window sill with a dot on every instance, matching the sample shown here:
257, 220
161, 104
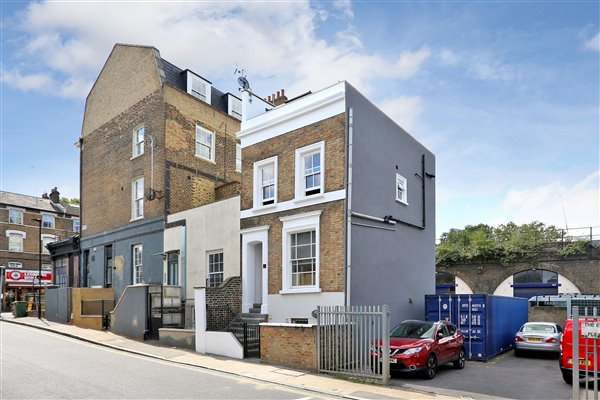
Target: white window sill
136, 156
300, 290
136, 219
263, 208
401, 202
304, 199
204, 158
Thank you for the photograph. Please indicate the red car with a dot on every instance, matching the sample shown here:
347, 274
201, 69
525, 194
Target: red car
422, 346
586, 350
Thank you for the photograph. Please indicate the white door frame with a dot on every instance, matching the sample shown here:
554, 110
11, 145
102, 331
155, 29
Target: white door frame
250, 238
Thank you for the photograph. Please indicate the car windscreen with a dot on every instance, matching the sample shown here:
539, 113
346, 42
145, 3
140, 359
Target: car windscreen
417, 330
538, 328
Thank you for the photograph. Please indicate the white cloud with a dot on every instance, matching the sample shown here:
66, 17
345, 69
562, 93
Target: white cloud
543, 203
69, 42
593, 43
449, 58
405, 111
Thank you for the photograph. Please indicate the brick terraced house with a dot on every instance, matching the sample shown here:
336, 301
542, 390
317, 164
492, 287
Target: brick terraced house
156, 140
337, 207
25, 220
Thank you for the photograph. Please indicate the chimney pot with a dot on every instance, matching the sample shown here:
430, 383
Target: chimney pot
283, 92
278, 94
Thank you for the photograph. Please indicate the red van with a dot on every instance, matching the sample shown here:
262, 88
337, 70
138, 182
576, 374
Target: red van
585, 346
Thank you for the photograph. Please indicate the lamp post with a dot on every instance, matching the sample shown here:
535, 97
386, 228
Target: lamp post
39, 277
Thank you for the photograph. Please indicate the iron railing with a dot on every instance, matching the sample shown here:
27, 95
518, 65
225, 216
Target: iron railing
354, 341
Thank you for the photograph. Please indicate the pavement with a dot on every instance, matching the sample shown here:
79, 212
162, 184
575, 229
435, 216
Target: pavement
249, 368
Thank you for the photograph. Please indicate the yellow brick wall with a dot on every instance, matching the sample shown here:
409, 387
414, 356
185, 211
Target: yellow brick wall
289, 346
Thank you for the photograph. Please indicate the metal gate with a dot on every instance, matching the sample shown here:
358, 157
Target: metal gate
586, 370
354, 341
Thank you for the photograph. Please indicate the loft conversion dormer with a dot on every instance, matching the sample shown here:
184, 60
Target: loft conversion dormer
234, 106
197, 86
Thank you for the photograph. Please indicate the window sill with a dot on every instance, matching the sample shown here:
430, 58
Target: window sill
204, 158
401, 202
300, 290
136, 219
304, 199
263, 208
136, 156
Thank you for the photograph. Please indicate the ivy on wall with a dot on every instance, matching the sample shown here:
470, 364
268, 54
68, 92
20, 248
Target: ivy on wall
504, 243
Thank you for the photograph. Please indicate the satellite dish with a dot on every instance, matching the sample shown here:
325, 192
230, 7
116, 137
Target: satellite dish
243, 82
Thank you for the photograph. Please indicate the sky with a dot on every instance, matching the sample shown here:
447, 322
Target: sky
504, 93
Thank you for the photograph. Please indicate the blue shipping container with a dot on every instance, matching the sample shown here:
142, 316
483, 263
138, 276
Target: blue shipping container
488, 322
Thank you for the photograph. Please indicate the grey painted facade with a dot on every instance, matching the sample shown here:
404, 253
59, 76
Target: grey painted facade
391, 264
147, 232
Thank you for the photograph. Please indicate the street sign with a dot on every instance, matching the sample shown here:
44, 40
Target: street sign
590, 329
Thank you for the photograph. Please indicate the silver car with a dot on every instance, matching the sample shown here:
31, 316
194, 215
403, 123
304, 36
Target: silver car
538, 336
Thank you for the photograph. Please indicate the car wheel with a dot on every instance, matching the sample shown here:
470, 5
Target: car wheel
460, 361
567, 377
430, 367
517, 353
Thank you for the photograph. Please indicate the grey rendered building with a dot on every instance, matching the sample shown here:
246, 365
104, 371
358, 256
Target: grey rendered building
337, 208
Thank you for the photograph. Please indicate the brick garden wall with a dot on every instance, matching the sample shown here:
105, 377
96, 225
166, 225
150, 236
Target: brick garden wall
223, 303
287, 345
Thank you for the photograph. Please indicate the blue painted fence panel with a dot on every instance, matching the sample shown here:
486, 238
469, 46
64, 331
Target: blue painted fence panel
488, 322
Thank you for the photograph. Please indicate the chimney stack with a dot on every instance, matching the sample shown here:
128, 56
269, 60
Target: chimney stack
280, 99
55, 196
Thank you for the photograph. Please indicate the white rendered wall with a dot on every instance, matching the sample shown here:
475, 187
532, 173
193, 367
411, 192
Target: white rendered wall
284, 307
219, 343
565, 287
462, 287
215, 226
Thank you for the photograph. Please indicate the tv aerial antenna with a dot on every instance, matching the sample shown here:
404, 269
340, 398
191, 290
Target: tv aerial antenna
242, 80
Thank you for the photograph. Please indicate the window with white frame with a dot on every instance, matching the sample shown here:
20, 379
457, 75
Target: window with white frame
137, 262
76, 224
238, 157
310, 161
300, 250
15, 216
48, 221
205, 143
401, 195
265, 182
15, 240
137, 198
46, 240
15, 265
138, 141
303, 258
215, 268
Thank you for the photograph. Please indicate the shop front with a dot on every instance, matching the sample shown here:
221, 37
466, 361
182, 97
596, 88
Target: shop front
23, 285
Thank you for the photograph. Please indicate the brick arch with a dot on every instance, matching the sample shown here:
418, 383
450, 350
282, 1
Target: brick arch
459, 274
548, 266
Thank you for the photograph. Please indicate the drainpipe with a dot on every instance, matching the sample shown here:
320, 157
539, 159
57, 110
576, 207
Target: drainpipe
348, 271
183, 263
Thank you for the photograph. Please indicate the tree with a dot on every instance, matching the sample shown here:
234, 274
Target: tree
505, 243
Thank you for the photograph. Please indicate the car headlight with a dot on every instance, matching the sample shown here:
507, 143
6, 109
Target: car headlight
413, 350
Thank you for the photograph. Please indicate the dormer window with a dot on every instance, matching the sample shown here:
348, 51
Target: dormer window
234, 106
198, 87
